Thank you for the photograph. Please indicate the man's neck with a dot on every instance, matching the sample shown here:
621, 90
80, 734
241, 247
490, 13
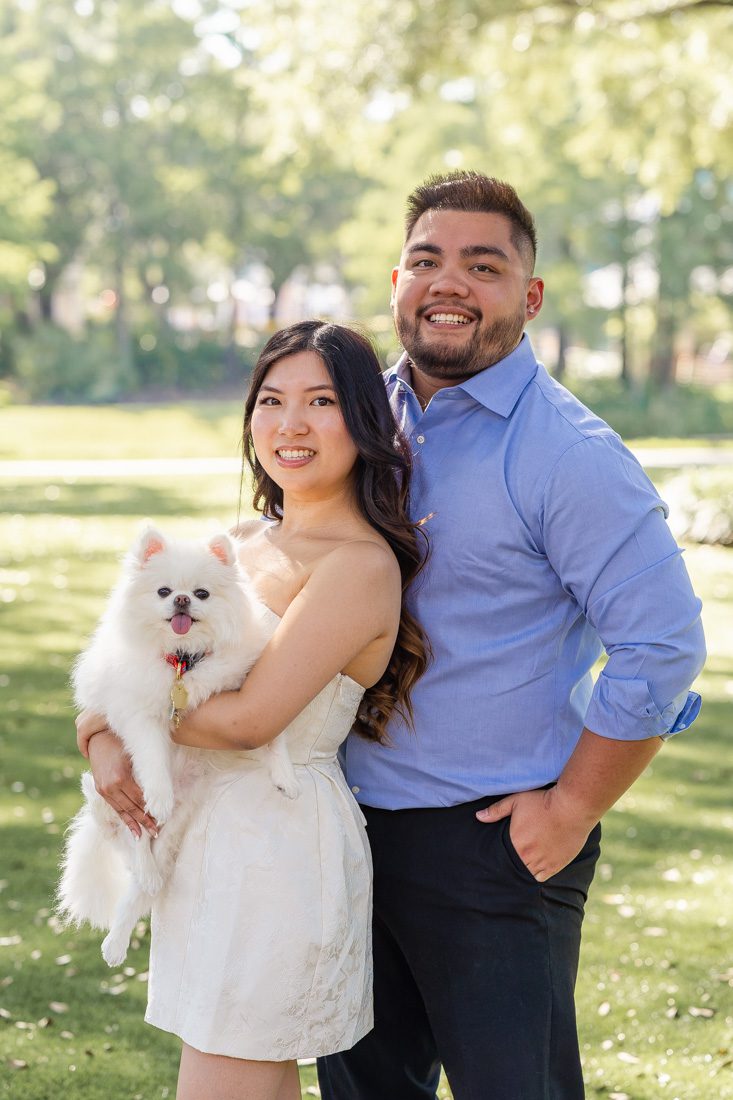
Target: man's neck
425, 387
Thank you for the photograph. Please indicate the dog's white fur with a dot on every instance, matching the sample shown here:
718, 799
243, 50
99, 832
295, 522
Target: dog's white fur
108, 877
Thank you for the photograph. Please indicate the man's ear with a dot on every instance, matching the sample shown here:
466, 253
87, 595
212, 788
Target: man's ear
535, 295
395, 273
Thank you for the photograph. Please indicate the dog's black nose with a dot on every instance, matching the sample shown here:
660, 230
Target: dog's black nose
182, 600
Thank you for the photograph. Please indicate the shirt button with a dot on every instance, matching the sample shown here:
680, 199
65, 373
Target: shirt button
421, 438
355, 790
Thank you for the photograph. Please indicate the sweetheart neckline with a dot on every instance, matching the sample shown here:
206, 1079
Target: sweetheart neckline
340, 675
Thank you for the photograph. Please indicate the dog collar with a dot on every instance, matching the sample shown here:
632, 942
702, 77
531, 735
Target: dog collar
181, 662
184, 662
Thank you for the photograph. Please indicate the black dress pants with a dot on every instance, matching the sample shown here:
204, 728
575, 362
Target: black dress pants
475, 965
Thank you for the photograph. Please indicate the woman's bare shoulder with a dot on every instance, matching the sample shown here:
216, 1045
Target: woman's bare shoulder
246, 529
369, 558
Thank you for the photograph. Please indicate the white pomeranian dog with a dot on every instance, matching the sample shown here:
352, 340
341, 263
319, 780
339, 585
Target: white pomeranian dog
182, 623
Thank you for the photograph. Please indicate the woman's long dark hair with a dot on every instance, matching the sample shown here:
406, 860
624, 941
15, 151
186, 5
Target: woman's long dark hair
381, 479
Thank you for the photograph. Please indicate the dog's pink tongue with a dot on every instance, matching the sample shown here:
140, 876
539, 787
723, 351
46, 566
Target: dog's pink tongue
181, 623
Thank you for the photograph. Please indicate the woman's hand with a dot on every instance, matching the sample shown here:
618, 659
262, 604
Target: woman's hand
88, 724
114, 781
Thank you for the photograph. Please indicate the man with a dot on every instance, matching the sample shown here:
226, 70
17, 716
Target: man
548, 544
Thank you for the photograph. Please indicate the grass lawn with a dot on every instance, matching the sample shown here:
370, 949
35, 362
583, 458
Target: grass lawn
655, 994
191, 429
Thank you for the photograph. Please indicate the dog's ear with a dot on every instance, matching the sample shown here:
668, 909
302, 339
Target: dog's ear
149, 543
222, 547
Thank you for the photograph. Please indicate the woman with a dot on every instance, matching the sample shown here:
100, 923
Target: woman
261, 946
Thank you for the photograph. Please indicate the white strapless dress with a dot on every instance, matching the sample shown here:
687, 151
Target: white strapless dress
261, 940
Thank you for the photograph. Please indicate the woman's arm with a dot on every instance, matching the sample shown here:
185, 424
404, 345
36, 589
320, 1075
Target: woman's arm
351, 600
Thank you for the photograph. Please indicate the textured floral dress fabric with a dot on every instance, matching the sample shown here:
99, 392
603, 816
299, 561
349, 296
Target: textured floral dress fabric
261, 940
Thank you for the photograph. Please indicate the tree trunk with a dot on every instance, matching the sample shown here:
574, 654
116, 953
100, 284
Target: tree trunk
624, 321
231, 351
123, 338
662, 360
562, 347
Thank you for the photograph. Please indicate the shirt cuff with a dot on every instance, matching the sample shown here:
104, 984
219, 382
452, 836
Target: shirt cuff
624, 710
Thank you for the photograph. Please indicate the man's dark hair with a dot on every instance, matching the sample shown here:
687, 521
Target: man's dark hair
475, 193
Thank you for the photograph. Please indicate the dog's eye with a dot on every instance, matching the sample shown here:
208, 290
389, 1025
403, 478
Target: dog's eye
201, 594
163, 592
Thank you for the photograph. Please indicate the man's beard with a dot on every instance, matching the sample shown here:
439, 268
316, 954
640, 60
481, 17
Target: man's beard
487, 345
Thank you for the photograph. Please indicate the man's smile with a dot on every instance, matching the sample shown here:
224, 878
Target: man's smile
448, 319
451, 317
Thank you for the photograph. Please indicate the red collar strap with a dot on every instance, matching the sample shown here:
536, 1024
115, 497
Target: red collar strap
184, 662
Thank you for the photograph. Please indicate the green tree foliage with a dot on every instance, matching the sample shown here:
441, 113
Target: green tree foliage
116, 146
599, 114
155, 149
25, 198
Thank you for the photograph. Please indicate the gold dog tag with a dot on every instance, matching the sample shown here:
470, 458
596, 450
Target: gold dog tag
179, 695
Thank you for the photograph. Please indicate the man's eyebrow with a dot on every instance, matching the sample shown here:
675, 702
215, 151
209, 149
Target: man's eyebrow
466, 253
308, 389
484, 250
423, 246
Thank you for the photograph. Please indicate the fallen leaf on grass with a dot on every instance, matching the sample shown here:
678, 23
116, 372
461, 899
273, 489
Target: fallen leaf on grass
706, 1013
58, 1007
63, 960
18, 1063
630, 1059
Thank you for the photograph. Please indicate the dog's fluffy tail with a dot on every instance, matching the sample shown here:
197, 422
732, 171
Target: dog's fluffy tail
94, 874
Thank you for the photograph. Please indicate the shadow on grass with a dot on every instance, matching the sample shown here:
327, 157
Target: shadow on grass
100, 499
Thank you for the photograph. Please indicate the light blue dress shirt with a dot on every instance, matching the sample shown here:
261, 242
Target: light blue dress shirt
549, 544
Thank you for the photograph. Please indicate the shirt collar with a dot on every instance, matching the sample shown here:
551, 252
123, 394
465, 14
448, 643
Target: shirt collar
497, 388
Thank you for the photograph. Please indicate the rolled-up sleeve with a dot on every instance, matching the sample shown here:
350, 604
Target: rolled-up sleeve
606, 536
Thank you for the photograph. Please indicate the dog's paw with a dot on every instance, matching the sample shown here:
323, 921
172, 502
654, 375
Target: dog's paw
289, 787
114, 948
159, 804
